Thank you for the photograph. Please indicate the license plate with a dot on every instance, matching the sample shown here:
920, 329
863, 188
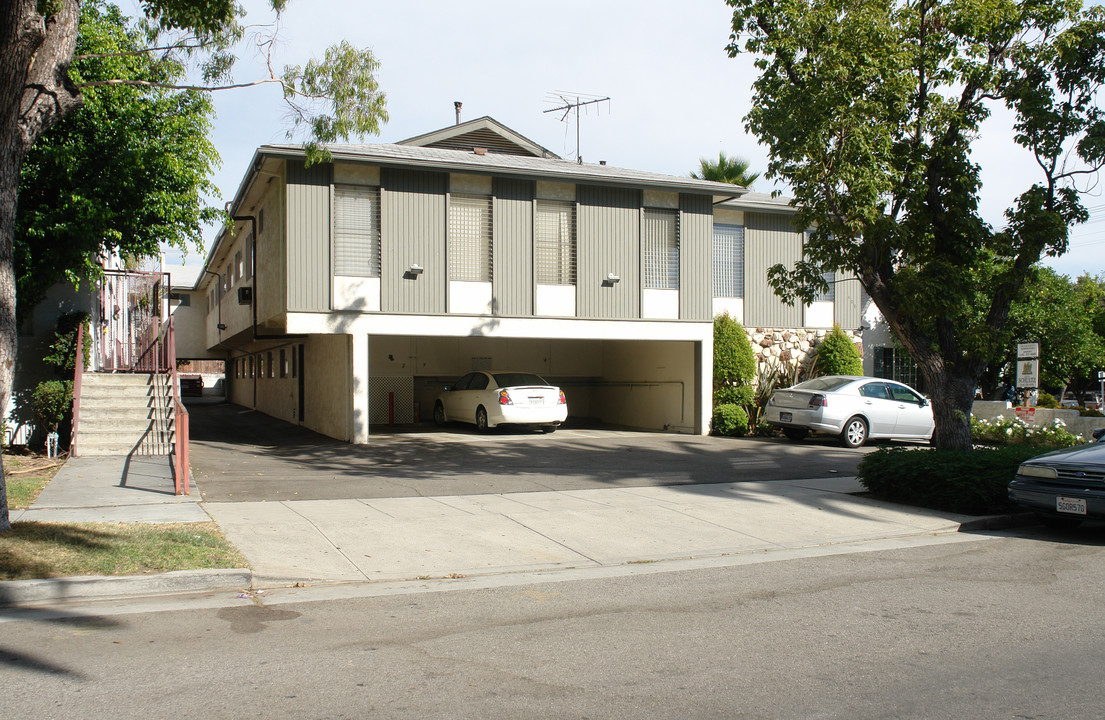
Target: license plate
1073, 506
537, 401
785, 417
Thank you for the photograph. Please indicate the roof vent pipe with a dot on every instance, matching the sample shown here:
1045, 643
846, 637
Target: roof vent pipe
456, 105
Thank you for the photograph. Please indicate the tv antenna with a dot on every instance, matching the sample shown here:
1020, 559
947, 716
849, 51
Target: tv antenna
573, 102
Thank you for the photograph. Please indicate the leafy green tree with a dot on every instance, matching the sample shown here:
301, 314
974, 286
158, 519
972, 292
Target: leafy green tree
125, 175
837, 355
727, 169
734, 363
870, 110
330, 99
1058, 313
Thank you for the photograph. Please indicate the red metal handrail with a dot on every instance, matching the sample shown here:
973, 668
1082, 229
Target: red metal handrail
181, 461
78, 376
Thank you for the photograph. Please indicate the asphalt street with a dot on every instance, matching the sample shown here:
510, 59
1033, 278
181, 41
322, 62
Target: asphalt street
983, 626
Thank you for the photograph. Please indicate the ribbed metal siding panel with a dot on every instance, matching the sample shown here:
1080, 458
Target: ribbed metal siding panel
769, 239
696, 257
609, 241
512, 281
846, 307
308, 244
412, 220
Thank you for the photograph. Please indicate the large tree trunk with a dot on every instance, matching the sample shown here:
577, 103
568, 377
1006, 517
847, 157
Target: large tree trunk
35, 93
952, 398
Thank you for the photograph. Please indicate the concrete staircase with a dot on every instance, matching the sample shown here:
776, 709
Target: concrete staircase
124, 414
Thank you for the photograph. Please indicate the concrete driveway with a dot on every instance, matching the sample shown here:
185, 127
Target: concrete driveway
239, 455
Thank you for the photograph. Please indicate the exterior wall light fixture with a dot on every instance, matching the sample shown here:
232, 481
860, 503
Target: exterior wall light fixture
612, 278
415, 269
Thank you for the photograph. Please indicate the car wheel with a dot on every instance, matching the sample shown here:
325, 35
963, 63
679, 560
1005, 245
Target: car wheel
439, 415
548, 429
796, 433
1059, 522
481, 419
854, 433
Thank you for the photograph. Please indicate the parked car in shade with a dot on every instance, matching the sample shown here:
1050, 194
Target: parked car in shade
857, 409
1063, 487
489, 399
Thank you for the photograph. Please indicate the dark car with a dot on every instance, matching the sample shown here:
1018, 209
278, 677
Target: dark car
1063, 487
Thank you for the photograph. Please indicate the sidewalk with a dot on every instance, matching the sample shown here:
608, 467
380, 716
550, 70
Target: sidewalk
393, 539
407, 538
114, 489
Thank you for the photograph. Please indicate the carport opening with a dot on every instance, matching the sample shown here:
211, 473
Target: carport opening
202, 381
643, 384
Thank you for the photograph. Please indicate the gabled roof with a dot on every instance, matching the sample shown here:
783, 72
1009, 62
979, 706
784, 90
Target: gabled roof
485, 132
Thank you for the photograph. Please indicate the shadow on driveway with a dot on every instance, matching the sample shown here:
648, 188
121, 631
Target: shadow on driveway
241, 455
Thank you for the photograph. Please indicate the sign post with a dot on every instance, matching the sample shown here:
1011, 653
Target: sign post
1028, 367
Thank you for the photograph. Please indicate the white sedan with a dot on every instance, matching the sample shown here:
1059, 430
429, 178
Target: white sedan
855, 408
490, 398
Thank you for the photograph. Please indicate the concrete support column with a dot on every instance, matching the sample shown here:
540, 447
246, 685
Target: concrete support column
359, 390
704, 384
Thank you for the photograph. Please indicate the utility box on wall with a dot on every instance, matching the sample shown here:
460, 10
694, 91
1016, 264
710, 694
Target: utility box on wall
245, 295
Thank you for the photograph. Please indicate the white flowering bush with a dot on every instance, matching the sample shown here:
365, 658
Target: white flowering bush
1014, 431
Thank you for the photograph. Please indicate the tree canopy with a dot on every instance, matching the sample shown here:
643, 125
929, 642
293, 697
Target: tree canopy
41, 84
125, 175
733, 170
870, 110
1060, 314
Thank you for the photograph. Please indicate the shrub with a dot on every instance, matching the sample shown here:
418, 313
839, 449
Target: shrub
730, 420
772, 376
837, 355
52, 400
734, 363
734, 395
1046, 400
62, 353
1087, 412
970, 482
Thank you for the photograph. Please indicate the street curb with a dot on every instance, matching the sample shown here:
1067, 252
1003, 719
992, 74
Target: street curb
73, 589
999, 522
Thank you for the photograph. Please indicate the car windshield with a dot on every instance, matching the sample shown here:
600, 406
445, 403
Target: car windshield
515, 379
827, 384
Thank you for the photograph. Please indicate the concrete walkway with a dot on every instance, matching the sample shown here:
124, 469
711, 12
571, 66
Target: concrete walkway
408, 538
114, 489
405, 538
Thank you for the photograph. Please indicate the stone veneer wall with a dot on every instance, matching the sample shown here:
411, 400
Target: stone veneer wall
773, 346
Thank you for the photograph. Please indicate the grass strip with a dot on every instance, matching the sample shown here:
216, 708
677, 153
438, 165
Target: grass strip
43, 549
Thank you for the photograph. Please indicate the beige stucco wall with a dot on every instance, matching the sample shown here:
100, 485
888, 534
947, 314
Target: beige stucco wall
329, 384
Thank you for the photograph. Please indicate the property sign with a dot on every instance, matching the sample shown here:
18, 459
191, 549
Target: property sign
1028, 350
1026, 414
1028, 373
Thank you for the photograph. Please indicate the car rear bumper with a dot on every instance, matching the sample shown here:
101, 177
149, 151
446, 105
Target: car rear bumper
800, 418
523, 415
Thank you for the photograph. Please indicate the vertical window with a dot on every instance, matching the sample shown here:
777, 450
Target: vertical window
269, 365
283, 363
294, 354
251, 366
729, 261
237, 266
470, 238
356, 231
661, 248
830, 294
555, 242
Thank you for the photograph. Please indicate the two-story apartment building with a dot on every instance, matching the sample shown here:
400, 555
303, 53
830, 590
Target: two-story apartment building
347, 293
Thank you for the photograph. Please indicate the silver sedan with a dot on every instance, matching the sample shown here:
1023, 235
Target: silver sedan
855, 408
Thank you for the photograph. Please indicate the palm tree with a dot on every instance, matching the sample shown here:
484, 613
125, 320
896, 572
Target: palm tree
727, 170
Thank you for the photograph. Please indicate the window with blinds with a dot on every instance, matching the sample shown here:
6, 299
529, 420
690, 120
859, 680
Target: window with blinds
830, 294
356, 231
470, 238
661, 249
555, 242
729, 261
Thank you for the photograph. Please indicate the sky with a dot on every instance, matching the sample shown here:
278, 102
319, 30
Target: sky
675, 95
